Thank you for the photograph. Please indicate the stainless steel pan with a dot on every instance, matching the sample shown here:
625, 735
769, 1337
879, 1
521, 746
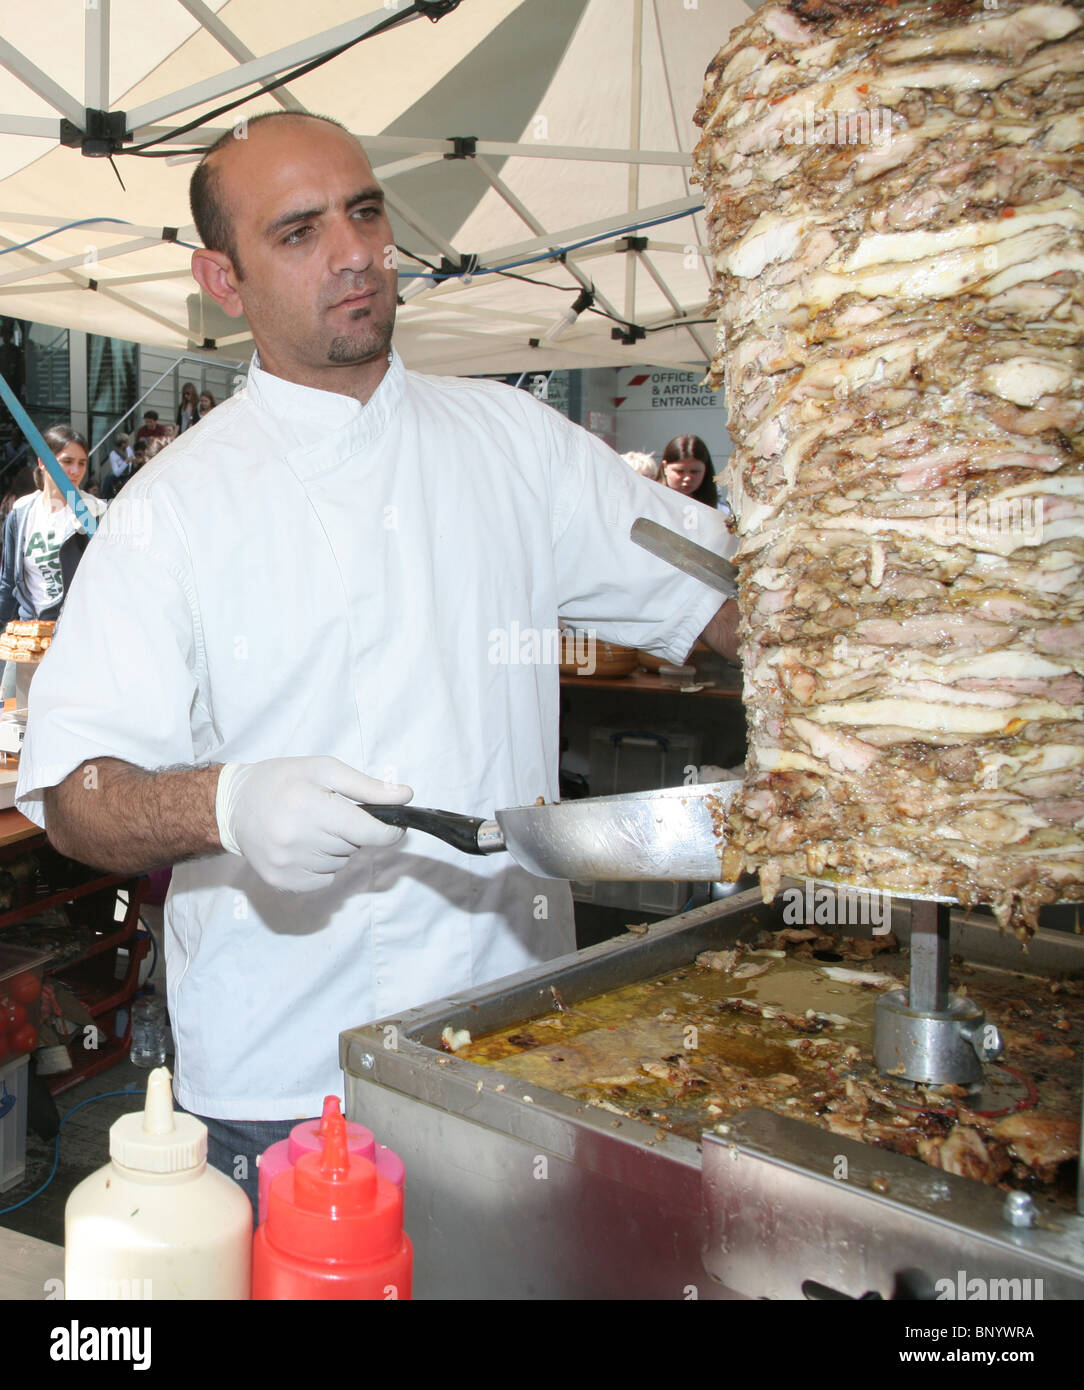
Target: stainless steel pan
653, 836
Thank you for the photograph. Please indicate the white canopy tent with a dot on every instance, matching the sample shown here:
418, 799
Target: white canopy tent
506, 133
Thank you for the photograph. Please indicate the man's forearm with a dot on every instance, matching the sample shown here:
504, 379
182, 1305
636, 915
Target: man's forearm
721, 634
119, 818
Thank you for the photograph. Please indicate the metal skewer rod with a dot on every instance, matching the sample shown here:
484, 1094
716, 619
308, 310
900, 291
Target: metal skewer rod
930, 954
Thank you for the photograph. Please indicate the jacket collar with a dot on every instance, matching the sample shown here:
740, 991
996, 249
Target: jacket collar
318, 427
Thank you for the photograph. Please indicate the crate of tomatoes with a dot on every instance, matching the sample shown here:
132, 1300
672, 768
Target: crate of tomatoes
21, 970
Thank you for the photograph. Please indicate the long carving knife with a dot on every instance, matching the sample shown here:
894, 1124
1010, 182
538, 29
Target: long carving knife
686, 555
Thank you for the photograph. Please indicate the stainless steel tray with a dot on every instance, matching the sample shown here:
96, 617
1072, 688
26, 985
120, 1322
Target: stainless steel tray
518, 1191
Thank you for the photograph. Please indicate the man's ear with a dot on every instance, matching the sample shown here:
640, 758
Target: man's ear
213, 271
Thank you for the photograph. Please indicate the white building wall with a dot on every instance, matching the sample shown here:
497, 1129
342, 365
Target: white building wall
643, 408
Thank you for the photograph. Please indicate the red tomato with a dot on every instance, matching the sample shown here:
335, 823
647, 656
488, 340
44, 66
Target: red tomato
26, 987
12, 1015
23, 1039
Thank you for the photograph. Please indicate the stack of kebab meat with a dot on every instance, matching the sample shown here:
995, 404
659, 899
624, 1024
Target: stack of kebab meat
894, 200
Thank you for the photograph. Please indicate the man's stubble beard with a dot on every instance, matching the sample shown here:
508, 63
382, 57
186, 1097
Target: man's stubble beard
363, 347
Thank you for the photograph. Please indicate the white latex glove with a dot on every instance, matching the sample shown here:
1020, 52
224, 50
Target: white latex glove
295, 819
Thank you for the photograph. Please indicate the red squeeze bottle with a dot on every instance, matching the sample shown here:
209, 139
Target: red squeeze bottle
334, 1229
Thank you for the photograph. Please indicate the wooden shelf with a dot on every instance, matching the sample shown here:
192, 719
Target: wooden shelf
647, 682
60, 898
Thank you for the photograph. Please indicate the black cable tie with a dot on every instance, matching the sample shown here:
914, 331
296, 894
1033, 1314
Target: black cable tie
631, 243
534, 342
170, 233
92, 284
463, 147
208, 345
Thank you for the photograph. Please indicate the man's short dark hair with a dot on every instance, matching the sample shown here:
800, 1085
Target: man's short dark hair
150, 415
205, 195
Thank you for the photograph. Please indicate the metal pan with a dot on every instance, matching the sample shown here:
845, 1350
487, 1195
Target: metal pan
638, 837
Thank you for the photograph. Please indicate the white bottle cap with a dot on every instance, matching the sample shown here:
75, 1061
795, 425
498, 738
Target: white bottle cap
158, 1141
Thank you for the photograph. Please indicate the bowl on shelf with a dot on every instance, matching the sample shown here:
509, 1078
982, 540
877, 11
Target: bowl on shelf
595, 658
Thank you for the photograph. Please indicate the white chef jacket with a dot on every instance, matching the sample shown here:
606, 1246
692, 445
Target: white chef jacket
301, 574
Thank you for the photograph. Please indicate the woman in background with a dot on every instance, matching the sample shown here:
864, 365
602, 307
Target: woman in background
207, 403
687, 468
43, 540
188, 410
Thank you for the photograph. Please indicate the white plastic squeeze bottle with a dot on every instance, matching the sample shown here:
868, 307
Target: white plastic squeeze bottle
156, 1222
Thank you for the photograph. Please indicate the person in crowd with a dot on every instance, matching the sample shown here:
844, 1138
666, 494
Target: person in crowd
687, 468
254, 689
119, 464
188, 410
647, 465
43, 540
207, 403
150, 428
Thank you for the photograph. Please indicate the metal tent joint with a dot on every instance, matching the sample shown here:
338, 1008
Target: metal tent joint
436, 9
631, 243
463, 268
463, 147
628, 333
105, 133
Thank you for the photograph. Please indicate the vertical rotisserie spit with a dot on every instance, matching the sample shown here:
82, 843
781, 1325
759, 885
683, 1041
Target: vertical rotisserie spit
897, 229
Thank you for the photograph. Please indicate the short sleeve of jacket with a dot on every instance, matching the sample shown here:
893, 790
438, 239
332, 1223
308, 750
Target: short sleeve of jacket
119, 679
605, 581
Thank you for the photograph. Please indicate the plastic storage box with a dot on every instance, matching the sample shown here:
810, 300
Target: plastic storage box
21, 969
635, 760
14, 1079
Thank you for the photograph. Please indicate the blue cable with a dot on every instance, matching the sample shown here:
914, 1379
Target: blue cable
68, 490
83, 222
405, 274
546, 255
106, 1095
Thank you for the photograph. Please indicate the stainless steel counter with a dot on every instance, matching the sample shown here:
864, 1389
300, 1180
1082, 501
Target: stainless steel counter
515, 1191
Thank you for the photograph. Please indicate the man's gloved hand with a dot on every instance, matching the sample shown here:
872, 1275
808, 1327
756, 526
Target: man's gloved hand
295, 819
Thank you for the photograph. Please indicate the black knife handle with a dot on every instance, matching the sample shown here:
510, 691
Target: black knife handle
461, 832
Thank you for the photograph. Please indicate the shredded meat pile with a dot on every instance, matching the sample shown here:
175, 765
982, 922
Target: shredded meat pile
897, 231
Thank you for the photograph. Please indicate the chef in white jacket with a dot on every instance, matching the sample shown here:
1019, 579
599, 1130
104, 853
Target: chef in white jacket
324, 594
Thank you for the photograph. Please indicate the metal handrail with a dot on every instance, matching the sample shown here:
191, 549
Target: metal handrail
173, 367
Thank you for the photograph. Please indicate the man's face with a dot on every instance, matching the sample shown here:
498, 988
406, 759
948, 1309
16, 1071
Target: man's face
315, 245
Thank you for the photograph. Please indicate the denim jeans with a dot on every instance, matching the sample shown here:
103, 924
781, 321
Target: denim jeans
231, 1141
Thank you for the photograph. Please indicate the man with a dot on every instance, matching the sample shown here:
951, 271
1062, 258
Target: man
150, 428
305, 596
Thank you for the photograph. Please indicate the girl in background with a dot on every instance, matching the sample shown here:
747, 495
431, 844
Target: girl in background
43, 540
687, 468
